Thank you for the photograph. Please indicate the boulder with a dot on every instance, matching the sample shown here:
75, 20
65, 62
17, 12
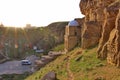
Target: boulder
50, 76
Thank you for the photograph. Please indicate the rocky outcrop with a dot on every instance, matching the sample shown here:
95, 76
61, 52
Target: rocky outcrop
90, 34
91, 30
109, 24
96, 18
109, 43
101, 25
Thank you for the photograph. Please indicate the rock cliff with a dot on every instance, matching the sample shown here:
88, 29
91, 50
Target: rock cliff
102, 26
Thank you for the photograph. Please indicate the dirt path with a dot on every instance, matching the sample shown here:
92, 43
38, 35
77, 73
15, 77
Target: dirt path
70, 74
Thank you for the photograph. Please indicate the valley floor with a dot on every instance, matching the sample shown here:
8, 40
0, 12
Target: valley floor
15, 67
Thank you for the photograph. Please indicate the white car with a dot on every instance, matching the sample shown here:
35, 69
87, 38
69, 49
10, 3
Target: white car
26, 62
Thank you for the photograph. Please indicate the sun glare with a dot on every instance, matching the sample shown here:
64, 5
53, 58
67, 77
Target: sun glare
18, 13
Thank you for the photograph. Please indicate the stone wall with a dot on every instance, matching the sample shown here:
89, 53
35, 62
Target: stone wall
70, 42
72, 37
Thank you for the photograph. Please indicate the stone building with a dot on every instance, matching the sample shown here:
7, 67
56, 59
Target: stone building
72, 35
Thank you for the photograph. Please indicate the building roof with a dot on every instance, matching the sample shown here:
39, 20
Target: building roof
73, 23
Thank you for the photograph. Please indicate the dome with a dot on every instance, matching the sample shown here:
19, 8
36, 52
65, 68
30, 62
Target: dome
73, 23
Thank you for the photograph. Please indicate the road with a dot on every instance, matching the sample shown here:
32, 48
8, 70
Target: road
15, 67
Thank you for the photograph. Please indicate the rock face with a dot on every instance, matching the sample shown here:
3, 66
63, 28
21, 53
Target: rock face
91, 34
110, 41
92, 27
108, 28
102, 26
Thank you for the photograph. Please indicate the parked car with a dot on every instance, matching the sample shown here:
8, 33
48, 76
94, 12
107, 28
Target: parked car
39, 51
26, 62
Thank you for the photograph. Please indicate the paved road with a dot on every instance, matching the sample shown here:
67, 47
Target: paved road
15, 67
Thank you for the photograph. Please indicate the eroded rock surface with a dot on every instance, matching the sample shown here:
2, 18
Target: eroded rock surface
102, 27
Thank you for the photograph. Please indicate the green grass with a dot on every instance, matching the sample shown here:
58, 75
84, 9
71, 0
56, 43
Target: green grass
59, 48
57, 66
80, 65
87, 62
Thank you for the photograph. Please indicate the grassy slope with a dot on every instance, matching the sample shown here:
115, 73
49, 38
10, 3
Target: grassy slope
83, 64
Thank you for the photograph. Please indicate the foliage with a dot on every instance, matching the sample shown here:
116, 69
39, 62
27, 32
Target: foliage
59, 48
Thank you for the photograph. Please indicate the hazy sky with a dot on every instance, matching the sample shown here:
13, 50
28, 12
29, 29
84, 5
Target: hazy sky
38, 12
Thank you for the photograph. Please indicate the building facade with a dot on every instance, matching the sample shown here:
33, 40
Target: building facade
72, 35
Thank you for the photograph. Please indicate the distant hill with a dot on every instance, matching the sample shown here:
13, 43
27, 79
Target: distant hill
58, 30
15, 42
